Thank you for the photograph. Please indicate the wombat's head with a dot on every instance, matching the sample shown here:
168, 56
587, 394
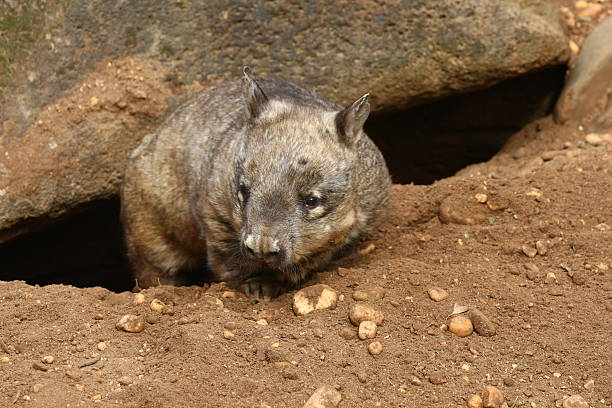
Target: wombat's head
296, 198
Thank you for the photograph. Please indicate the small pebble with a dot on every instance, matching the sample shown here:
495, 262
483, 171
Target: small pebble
541, 248
152, 318
481, 198
461, 326
168, 310
581, 4
360, 312
315, 297
509, 382
209, 302
79, 387
186, 320
97, 397
534, 274
347, 333
529, 251
5, 359
437, 294
414, 380
575, 401
550, 278
228, 295
157, 305
40, 367
474, 401
436, 379
551, 154
574, 48
262, 322
48, 359
367, 330
37, 387
131, 324
591, 10
139, 299
375, 348
125, 380
589, 385
482, 325
324, 397
228, 335
368, 292
74, 374
579, 277
101, 346
342, 272
492, 397
230, 325
99, 316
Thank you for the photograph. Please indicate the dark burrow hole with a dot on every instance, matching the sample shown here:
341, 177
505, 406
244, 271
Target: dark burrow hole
420, 145
85, 249
434, 141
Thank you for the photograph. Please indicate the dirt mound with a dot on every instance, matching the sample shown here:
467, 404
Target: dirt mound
534, 258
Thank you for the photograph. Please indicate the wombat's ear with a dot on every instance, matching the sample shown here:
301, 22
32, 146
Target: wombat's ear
350, 120
254, 97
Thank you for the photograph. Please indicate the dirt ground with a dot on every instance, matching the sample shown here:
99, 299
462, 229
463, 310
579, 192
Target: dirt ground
535, 258
551, 312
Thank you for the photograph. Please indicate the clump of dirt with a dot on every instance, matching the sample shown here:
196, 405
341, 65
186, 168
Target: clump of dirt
534, 259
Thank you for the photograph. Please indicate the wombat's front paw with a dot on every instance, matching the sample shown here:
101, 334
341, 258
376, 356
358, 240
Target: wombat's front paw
268, 288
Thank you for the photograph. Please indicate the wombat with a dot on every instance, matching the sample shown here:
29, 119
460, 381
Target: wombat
262, 181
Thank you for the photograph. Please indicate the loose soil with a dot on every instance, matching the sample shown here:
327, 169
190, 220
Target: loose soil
551, 311
552, 322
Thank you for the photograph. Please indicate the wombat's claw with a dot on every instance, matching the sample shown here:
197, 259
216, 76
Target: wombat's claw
257, 288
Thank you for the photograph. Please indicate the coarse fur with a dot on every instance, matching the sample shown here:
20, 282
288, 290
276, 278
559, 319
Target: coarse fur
263, 181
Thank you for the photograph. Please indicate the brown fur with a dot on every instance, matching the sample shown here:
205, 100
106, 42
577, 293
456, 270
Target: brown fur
261, 181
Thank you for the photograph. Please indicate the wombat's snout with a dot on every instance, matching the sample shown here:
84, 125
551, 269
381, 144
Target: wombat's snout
263, 247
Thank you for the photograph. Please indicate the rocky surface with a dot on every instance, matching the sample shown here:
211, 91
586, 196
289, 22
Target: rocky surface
588, 86
75, 151
83, 81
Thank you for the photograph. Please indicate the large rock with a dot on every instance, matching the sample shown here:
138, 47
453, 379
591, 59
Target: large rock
66, 135
590, 82
76, 149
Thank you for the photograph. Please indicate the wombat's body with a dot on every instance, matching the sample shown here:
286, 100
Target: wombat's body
262, 181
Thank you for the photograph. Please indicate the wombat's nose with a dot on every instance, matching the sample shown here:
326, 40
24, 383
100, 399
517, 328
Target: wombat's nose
262, 246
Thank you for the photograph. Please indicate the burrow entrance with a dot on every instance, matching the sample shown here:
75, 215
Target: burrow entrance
421, 145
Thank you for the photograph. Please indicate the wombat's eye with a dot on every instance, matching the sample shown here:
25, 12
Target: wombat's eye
312, 201
244, 192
